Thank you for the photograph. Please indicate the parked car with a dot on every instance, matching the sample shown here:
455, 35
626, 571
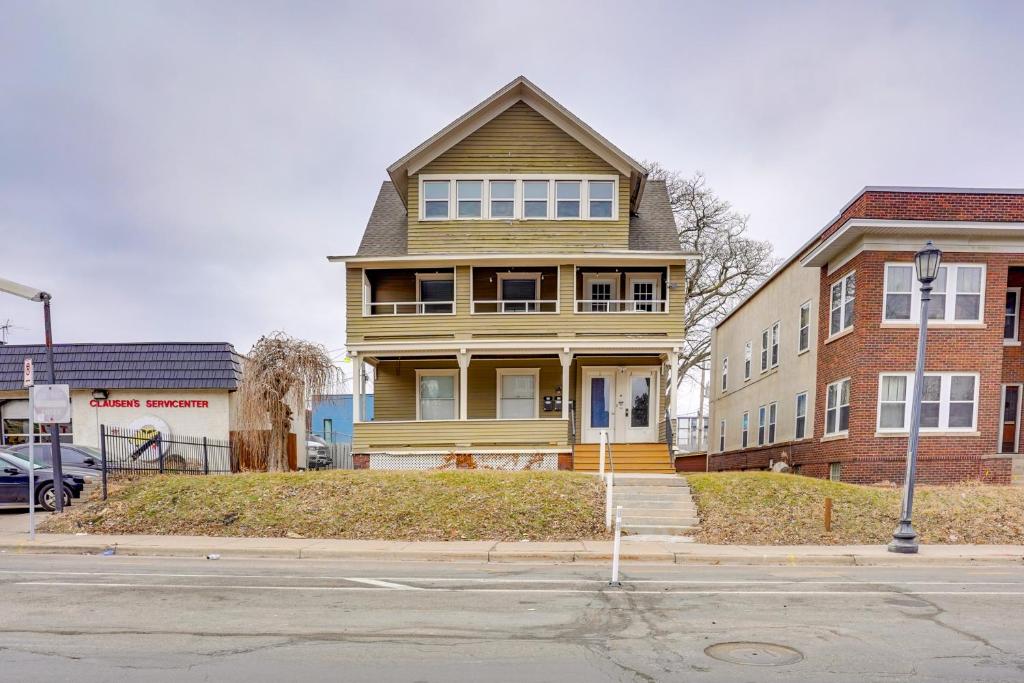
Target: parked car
317, 455
71, 455
14, 484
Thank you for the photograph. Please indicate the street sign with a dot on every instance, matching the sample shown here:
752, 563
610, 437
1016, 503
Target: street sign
29, 374
51, 404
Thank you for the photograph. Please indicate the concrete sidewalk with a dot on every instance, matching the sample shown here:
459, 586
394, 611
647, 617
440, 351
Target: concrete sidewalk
493, 551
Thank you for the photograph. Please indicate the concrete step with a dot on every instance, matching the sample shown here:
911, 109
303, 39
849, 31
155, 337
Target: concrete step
688, 510
640, 494
669, 480
658, 521
663, 530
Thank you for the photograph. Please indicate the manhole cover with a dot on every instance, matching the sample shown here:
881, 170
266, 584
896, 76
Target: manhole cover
754, 654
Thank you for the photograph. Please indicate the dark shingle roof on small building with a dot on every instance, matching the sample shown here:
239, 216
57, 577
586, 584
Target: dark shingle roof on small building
128, 366
652, 229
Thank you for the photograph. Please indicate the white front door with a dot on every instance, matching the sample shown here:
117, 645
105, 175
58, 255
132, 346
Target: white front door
623, 401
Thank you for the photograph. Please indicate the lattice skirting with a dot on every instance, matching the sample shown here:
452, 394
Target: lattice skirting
508, 462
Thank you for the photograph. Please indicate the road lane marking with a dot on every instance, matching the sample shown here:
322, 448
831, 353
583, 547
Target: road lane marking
384, 584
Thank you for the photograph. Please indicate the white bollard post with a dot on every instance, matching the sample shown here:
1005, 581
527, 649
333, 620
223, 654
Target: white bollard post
615, 548
603, 440
608, 484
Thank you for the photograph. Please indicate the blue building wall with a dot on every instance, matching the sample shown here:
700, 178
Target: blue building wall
338, 409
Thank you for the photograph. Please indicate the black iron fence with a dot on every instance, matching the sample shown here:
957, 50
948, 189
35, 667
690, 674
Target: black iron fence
149, 451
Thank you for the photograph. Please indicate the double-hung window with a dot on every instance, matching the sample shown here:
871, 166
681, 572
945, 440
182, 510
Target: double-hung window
748, 353
841, 304
435, 199
745, 429
725, 373
503, 198
567, 199
1011, 321
957, 294
837, 408
436, 394
762, 414
775, 345
470, 195
601, 195
804, 342
721, 436
800, 430
517, 394
764, 351
535, 199
949, 401
772, 414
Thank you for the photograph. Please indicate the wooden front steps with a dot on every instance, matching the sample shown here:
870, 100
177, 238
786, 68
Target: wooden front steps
638, 458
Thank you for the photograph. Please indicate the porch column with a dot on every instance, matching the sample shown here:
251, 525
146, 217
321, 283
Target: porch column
673, 388
357, 387
464, 384
566, 358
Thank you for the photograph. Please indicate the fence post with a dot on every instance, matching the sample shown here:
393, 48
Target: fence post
160, 451
103, 457
206, 457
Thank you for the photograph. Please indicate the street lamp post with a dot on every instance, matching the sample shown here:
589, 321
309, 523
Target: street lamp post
904, 538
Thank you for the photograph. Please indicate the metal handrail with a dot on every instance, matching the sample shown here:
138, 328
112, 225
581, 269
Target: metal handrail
517, 305
411, 307
669, 433
621, 305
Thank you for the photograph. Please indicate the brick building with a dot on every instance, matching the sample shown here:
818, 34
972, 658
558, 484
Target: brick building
816, 367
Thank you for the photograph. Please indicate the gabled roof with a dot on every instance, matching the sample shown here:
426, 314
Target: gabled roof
651, 229
128, 366
519, 90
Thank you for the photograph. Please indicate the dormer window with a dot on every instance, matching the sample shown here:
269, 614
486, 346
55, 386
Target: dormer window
503, 198
470, 198
435, 198
601, 192
535, 199
567, 199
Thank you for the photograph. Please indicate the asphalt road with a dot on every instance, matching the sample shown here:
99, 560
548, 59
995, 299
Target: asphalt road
79, 618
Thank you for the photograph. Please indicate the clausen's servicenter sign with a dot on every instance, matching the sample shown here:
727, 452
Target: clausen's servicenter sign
149, 403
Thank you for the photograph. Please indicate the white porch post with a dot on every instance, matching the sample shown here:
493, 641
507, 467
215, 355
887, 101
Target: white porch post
357, 388
566, 358
464, 384
673, 389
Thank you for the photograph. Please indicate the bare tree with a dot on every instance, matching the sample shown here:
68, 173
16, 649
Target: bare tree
279, 372
731, 264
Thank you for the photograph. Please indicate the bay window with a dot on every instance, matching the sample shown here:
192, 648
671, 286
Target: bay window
436, 392
841, 304
949, 401
517, 394
837, 408
957, 294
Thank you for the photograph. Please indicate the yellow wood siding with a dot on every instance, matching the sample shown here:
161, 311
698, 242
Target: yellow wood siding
565, 325
459, 435
518, 141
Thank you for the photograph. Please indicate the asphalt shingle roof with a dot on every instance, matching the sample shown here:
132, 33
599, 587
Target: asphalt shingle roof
652, 229
128, 366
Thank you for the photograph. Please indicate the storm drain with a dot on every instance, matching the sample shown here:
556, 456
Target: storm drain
754, 654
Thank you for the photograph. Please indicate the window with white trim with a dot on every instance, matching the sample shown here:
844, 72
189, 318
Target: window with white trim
725, 373
535, 199
773, 409
745, 424
503, 198
775, 344
764, 350
804, 341
1011, 320
721, 436
837, 408
435, 199
517, 394
949, 401
841, 304
748, 354
567, 198
963, 304
470, 196
800, 429
601, 195
437, 394
762, 415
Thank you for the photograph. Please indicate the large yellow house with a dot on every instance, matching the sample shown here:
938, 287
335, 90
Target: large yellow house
518, 290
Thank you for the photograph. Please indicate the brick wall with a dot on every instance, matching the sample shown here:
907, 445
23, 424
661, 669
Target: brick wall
761, 457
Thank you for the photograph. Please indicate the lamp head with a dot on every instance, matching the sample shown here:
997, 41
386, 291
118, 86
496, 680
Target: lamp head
927, 263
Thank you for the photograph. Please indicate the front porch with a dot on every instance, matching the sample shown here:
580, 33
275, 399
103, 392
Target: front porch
527, 410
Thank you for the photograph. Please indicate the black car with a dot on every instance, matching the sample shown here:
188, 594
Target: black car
71, 455
14, 484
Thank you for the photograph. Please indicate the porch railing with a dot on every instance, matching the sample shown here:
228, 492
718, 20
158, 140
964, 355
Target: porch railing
621, 306
410, 307
516, 306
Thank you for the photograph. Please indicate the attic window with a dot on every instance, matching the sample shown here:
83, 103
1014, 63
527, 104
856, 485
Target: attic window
435, 199
601, 198
470, 198
535, 199
503, 198
567, 199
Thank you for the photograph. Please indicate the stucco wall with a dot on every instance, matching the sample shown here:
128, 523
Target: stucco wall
212, 421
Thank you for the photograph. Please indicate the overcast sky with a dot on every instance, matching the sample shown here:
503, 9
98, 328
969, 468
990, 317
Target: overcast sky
178, 171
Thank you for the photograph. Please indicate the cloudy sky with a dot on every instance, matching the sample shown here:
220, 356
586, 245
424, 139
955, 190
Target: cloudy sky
179, 171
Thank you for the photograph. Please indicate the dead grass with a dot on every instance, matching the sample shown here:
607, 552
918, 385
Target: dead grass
760, 508
414, 506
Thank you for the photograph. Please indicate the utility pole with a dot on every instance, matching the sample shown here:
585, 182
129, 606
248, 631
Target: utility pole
58, 468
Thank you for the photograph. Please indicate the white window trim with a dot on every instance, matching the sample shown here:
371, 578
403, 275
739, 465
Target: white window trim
745, 430
490, 199
775, 349
474, 301
796, 415
838, 384
773, 422
583, 191
721, 436
518, 197
944, 390
725, 374
501, 372
800, 328
644, 277
535, 276
420, 277
762, 425
1015, 341
368, 305
841, 283
765, 358
948, 319
748, 360
454, 372
484, 203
